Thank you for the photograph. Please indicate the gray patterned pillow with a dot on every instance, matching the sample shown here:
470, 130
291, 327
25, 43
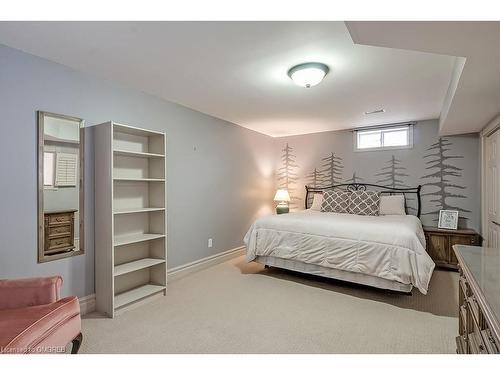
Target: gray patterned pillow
336, 201
364, 203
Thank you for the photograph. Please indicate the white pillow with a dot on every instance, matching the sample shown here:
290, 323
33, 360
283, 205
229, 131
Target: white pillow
317, 202
392, 205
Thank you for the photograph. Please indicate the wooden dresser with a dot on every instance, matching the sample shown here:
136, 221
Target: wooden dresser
59, 231
440, 244
479, 300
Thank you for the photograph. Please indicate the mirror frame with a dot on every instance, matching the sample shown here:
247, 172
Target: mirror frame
41, 228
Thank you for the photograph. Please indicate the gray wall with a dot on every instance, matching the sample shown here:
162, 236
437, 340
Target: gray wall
308, 150
219, 176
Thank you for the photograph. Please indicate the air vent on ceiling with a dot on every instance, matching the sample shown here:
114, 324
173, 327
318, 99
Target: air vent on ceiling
375, 111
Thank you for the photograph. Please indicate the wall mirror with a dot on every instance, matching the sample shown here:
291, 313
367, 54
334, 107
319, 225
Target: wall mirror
60, 186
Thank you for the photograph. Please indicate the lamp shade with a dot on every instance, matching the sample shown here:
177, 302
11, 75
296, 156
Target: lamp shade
308, 74
282, 196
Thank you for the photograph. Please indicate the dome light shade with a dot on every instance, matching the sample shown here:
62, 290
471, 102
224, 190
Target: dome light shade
308, 74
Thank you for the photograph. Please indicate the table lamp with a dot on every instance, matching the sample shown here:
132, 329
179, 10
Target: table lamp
283, 198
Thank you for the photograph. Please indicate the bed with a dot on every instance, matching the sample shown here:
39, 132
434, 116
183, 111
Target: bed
386, 252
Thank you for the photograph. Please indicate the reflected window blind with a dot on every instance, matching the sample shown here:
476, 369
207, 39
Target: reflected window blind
66, 165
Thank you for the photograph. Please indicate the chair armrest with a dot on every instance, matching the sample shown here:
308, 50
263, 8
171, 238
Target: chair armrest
29, 292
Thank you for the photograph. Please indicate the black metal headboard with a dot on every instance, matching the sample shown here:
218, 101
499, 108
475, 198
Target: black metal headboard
361, 187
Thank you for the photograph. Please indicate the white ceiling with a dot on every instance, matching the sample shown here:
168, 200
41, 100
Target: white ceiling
237, 71
474, 96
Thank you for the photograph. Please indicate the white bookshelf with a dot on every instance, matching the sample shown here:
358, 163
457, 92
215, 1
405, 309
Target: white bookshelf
130, 215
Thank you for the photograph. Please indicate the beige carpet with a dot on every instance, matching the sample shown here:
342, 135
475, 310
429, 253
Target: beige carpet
237, 307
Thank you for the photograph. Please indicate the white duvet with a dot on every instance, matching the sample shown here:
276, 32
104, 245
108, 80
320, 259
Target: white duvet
391, 247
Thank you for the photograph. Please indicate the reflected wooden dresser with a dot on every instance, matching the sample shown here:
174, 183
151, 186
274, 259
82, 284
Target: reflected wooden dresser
479, 300
440, 244
59, 231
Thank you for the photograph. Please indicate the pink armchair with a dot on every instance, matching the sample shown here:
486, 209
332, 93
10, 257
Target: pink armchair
34, 320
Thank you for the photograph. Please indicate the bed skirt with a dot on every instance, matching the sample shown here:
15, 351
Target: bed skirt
333, 273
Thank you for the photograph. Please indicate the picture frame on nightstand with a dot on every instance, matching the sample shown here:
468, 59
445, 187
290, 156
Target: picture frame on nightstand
448, 219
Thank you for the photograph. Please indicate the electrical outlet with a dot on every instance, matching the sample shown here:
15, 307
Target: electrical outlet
210, 242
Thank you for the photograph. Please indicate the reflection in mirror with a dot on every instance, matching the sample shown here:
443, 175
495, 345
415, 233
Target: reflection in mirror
60, 186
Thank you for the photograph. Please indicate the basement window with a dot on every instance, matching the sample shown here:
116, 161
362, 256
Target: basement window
384, 138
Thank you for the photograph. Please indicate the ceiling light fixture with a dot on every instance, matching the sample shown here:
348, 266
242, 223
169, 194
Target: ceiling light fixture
308, 74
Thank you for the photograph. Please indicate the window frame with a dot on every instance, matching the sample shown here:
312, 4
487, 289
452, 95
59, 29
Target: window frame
384, 129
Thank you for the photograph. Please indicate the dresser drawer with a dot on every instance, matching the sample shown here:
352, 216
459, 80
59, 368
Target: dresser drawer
463, 321
461, 345
489, 341
59, 230
474, 308
60, 218
56, 243
465, 286
476, 344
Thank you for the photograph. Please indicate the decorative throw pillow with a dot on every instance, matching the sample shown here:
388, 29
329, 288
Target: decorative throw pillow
317, 202
336, 201
364, 203
392, 205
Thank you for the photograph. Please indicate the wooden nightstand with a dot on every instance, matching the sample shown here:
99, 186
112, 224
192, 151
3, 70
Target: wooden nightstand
440, 242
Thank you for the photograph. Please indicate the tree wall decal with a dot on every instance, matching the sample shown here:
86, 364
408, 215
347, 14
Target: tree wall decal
287, 175
391, 174
315, 178
332, 169
442, 178
354, 179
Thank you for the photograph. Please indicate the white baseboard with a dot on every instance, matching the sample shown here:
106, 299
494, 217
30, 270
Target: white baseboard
87, 304
198, 265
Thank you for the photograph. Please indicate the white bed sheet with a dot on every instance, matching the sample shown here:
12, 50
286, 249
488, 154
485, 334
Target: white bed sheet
391, 247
